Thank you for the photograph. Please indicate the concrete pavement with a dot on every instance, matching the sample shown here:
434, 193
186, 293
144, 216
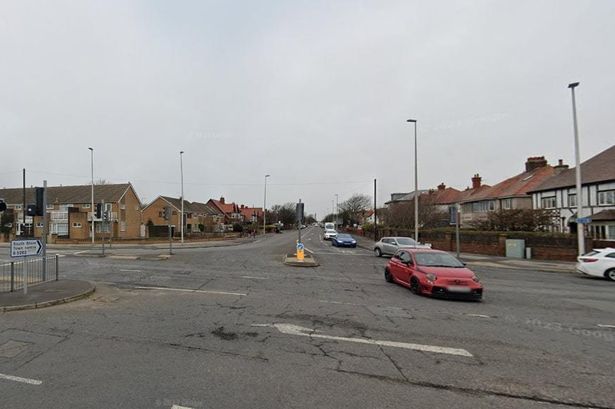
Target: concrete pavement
234, 327
46, 294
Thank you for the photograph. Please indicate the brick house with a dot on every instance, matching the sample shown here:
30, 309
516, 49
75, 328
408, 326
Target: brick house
196, 216
70, 214
251, 214
508, 194
598, 185
231, 211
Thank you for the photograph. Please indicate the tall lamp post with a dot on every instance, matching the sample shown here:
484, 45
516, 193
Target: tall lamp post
579, 191
92, 204
265, 207
416, 185
181, 171
337, 209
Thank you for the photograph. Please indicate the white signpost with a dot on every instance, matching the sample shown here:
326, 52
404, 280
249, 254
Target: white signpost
26, 248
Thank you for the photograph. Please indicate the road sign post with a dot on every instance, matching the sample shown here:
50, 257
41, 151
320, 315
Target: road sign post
26, 248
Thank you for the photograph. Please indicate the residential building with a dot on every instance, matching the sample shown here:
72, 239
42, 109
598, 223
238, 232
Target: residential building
251, 214
508, 194
231, 211
558, 193
197, 216
70, 213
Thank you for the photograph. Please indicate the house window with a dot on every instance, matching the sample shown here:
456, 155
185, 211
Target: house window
18, 207
86, 206
507, 204
572, 200
548, 202
606, 198
77, 225
39, 224
50, 207
122, 226
483, 207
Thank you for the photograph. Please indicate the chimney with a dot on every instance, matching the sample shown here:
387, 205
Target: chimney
535, 162
476, 181
222, 199
560, 167
441, 186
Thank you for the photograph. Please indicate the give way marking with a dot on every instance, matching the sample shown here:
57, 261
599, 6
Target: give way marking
291, 329
20, 379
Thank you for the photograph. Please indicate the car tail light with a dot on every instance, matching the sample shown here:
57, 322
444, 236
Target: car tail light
588, 260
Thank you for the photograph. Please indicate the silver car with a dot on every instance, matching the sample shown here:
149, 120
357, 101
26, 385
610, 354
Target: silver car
390, 245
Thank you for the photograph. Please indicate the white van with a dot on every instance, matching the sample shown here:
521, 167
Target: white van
329, 226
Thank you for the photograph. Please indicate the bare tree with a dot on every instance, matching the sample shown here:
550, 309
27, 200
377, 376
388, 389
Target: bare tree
353, 208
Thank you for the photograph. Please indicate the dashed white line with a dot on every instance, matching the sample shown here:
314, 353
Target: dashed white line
130, 271
20, 379
256, 278
606, 326
179, 407
291, 329
187, 290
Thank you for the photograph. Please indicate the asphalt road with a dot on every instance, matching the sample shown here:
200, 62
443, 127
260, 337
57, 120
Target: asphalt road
232, 327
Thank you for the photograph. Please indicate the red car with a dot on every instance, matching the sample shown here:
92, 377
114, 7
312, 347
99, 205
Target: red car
433, 272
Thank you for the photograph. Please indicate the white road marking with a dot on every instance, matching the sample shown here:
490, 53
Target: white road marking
291, 329
19, 379
179, 407
256, 278
308, 250
130, 271
186, 290
344, 303
479, 315
606, 326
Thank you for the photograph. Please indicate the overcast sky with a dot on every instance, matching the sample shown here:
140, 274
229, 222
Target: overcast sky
315, 93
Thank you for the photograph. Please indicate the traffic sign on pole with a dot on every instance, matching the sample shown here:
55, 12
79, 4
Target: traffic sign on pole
584, 220
26, 248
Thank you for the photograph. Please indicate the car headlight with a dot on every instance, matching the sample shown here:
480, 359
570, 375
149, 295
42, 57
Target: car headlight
354, 242
431, 277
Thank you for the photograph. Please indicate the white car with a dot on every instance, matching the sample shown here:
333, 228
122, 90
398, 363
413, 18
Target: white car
330, 233
598, 263
390, 245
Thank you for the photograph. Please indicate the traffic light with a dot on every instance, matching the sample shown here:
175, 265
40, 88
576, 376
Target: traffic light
2, 205
105, 215
98, 210
299, 213
40, 201
167, 213
31, 210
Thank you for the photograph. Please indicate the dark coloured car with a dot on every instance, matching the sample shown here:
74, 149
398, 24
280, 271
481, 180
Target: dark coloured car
343, 240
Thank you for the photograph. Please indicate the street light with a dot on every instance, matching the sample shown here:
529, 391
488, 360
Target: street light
92, 204
416, 185
577, 154
181, 170
265, 207
337, 209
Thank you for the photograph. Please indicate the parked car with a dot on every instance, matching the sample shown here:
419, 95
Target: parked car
329, 233
598, 263
390, 245
433, 272
343, 240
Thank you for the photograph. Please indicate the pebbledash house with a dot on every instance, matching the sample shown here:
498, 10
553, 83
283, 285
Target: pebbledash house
598, 187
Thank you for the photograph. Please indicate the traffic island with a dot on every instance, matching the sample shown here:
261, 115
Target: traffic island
308, 261
46, 294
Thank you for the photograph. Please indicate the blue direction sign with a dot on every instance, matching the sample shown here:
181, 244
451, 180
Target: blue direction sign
584, 220
25, 248
300, 246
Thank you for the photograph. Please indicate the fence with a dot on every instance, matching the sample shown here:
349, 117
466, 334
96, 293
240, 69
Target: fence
15, 275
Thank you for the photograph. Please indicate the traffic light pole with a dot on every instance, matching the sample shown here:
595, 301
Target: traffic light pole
44, 238
102, 225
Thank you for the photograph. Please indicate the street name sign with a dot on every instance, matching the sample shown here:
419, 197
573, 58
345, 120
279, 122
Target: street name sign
584, 220
26, 248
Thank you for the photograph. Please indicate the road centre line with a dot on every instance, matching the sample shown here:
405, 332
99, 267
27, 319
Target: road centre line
606, 326
179, 407
186, 290
20, 379
130, 271
256, 278
479, 315
291, 329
